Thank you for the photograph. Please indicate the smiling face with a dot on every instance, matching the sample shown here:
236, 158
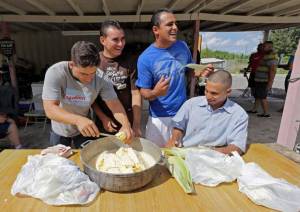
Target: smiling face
166, 32
84, 74
113, 42
216, 94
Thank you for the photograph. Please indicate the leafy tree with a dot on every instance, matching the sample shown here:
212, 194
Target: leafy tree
285, 41
205, 53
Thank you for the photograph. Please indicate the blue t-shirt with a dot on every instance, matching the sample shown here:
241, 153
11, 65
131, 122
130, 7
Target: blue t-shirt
154, 63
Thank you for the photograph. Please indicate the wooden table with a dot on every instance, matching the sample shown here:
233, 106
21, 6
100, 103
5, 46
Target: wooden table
162, 194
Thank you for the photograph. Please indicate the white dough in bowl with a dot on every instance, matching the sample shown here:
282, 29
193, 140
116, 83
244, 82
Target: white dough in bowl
124, 161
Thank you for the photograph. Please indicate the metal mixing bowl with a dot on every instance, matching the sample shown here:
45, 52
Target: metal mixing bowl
118, 182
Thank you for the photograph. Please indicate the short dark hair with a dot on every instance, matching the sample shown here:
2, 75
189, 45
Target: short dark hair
155, 19
107, 24
84, 54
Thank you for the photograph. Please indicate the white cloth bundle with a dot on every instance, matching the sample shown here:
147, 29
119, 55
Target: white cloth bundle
55, 180
263, 189
210, 168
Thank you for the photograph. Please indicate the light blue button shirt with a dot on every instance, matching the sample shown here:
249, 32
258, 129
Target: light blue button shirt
202, 125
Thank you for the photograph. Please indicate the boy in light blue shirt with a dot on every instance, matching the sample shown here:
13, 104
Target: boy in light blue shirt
211, 120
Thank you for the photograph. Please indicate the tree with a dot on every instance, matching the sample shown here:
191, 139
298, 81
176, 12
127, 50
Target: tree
285, 41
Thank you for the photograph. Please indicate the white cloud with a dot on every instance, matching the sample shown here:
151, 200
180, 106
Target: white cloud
243, 42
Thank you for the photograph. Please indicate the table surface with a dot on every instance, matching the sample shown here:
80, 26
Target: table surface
162, 194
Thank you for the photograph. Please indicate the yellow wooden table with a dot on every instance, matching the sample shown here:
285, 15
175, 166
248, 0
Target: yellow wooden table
162, 194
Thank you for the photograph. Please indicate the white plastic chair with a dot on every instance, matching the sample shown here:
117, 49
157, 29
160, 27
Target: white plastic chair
36, 113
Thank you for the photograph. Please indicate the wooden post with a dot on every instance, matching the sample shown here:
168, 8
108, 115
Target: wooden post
289, 125
195, 49
266, 35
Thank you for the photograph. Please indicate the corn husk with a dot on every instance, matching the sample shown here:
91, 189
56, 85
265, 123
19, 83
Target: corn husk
177, 167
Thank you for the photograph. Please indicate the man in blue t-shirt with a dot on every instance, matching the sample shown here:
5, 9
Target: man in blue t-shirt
161, 75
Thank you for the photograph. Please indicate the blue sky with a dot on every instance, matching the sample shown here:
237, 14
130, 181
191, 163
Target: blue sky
237, 42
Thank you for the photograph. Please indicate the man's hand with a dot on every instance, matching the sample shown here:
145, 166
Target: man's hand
87, 127
173, 143
170, 143
207, 71
128, 132
161, 87
108, 124
228, 149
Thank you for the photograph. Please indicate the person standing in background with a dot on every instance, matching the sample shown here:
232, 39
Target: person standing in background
263, 80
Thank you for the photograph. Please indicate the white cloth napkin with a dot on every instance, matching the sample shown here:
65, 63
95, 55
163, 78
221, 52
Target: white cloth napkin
263, 189
60, 150
210, 168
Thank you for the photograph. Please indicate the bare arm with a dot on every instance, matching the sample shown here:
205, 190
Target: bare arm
272, 74
160, 89
84, 125
175, 139
136, 107
119, 113
228, 149
108, 124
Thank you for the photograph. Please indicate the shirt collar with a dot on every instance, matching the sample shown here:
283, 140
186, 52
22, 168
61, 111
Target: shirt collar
227, 106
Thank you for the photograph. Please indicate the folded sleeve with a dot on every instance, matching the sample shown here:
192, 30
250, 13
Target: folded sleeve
238, 136
145, 77
181, 118
107, 91
53, 85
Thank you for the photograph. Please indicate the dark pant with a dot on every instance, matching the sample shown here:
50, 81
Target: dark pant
74, 142
4, 129
260, 90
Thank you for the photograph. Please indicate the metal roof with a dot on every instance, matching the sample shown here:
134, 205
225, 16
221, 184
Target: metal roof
214, 15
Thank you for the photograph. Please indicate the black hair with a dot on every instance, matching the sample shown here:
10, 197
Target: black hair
107, 24
84, 54
268, 42
155, 19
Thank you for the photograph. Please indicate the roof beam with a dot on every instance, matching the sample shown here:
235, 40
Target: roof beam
51, 25
265, 7
105, 8
270, 27
146, 18
42, 7
172, 4
287, 10
192, 6
294, 13
140, 7
75, 7
203, 5
15, 28
29, 26
204, 24
217, 26
12, 8
256, 27
233, 6
242, 27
